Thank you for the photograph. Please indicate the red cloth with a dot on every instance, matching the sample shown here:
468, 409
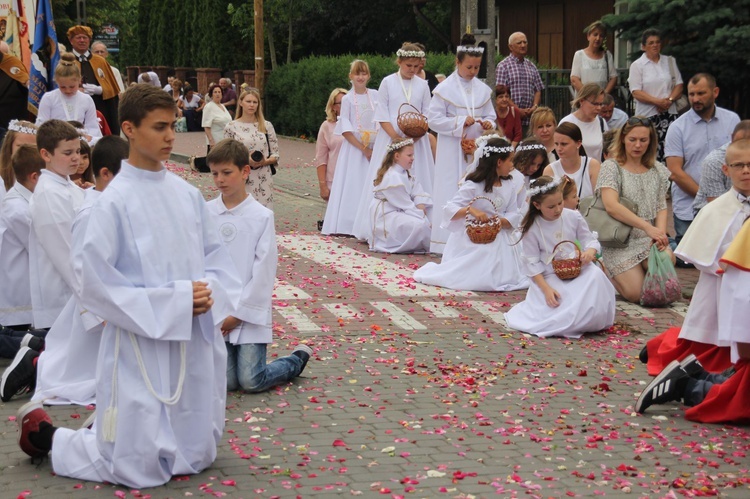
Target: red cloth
103, 126
667, 347
511, 125
727, 402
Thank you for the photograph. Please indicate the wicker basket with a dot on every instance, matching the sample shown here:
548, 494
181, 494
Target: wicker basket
412, 123
482, 232
567, 268
468, 146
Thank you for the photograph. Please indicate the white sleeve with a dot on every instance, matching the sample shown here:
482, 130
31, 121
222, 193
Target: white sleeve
440, 121
255, 304
575, 68
45, 108
52, 220
91, 122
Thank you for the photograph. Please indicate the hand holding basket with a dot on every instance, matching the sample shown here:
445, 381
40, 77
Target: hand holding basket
567, 268
482, 232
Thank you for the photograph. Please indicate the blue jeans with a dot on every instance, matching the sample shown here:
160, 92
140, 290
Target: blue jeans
247, 368
680, 227
10, 340
697, 389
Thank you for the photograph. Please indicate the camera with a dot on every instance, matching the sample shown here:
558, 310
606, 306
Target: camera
256, 156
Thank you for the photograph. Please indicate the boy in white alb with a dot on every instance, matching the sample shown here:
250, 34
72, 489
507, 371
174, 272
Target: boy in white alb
151, 264
247, 228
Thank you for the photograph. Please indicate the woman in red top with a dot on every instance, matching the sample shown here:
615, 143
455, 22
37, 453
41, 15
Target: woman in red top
508, 115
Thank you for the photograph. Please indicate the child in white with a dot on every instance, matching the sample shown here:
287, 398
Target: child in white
399, 209
555, 307
396, 89
357, 125
461, 107
482, 267
247, 229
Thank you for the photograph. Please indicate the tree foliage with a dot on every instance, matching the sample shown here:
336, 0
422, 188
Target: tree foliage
703, 35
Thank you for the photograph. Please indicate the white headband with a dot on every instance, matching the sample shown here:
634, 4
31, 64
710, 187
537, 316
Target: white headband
470, 49
543, 188
530, 147
395, 146
408, 54
488, 150
483, 139
16, 126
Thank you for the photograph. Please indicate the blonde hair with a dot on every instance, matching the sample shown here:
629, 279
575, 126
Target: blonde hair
569, 187
617, 149
587, 91
258, 112
330, 113
388, 161
67, 67
540, 116
359, 66
6, 152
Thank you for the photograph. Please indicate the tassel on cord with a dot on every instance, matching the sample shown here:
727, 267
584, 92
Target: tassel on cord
109, 422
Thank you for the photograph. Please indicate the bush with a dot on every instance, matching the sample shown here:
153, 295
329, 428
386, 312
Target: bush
296, 93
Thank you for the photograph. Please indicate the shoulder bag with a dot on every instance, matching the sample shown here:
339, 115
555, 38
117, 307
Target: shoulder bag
682, 104
611, 232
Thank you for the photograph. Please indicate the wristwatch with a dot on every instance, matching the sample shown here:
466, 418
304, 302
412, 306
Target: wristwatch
670, 99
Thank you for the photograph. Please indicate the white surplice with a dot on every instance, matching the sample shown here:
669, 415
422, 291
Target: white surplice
149, 236
392, 93
15, 224
398, 226
454, 100
586, 303
248, 233
358, 118
468, 266
66, 369
705, 241
80, 107
53, 207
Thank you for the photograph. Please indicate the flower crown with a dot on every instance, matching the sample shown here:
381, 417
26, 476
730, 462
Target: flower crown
543, 189
16, 126
530, 147
408, 54
81, 131
483, 139
470, 49
395, 146
487, 150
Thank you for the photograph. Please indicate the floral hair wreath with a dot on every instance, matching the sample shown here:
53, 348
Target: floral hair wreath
488, 150
395, 146
482, 140
408, 54
16, 126
543, 189
81, 131
470, 49
530, 147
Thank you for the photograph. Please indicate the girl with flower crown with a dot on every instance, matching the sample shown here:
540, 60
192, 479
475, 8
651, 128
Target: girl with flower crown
489, 190
555, 307
19, 133
399, 209
461, 108
358, 126
398, 88
530, 160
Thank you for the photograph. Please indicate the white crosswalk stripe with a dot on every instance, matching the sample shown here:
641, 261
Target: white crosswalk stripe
285, 291
399, 317
489, 311
343, 311
297, 319
440, 309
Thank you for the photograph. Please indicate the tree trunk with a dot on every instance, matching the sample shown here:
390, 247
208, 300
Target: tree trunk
289, 43
271, 47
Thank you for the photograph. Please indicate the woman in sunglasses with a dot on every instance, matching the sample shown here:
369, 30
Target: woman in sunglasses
633, 172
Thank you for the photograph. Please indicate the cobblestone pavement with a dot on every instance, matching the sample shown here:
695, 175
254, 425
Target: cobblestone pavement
419, 391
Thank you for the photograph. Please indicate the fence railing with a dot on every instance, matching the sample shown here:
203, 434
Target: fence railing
558, 92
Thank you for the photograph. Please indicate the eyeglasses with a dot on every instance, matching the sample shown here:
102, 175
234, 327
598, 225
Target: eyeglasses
597, 104
336, 103
739, 166
635, 121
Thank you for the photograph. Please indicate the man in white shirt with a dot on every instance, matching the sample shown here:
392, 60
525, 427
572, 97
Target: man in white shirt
100, 49
614, 117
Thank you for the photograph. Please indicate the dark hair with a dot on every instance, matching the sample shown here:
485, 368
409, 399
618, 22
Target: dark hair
467, 40
708, 77
26, 161
574, 132
648, 33
502, 89
522, 159
108, 153
528, 219
229, 151
88, 173
141, 99
52, 132
487, 166
212, 88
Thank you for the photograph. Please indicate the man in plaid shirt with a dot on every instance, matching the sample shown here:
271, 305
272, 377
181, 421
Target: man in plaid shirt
521, 76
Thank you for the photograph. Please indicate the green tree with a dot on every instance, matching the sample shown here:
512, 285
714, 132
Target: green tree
703, 35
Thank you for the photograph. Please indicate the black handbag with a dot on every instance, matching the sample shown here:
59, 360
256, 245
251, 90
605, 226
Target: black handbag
272, 165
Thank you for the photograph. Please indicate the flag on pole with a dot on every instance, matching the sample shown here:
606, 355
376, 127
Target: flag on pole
45, 55
22, 32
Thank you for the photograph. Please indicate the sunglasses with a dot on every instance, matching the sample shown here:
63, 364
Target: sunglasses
635, 121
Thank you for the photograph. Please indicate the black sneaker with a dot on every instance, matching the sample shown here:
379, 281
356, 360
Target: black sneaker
693, 367
34, 342
320, 225
643, 354
20, 375
663, 388
303, 352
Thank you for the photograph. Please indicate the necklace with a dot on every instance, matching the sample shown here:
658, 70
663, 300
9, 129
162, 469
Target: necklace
407, 93
465, 92
357, 110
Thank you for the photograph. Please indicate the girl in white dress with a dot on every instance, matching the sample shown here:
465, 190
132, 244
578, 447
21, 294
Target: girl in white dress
482, 267
530, 159
67, 102
357, 125
461, 107
399, 208
554, 307
582, 169
396, 89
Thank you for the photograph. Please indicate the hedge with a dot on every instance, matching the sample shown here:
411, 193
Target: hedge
296, 93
